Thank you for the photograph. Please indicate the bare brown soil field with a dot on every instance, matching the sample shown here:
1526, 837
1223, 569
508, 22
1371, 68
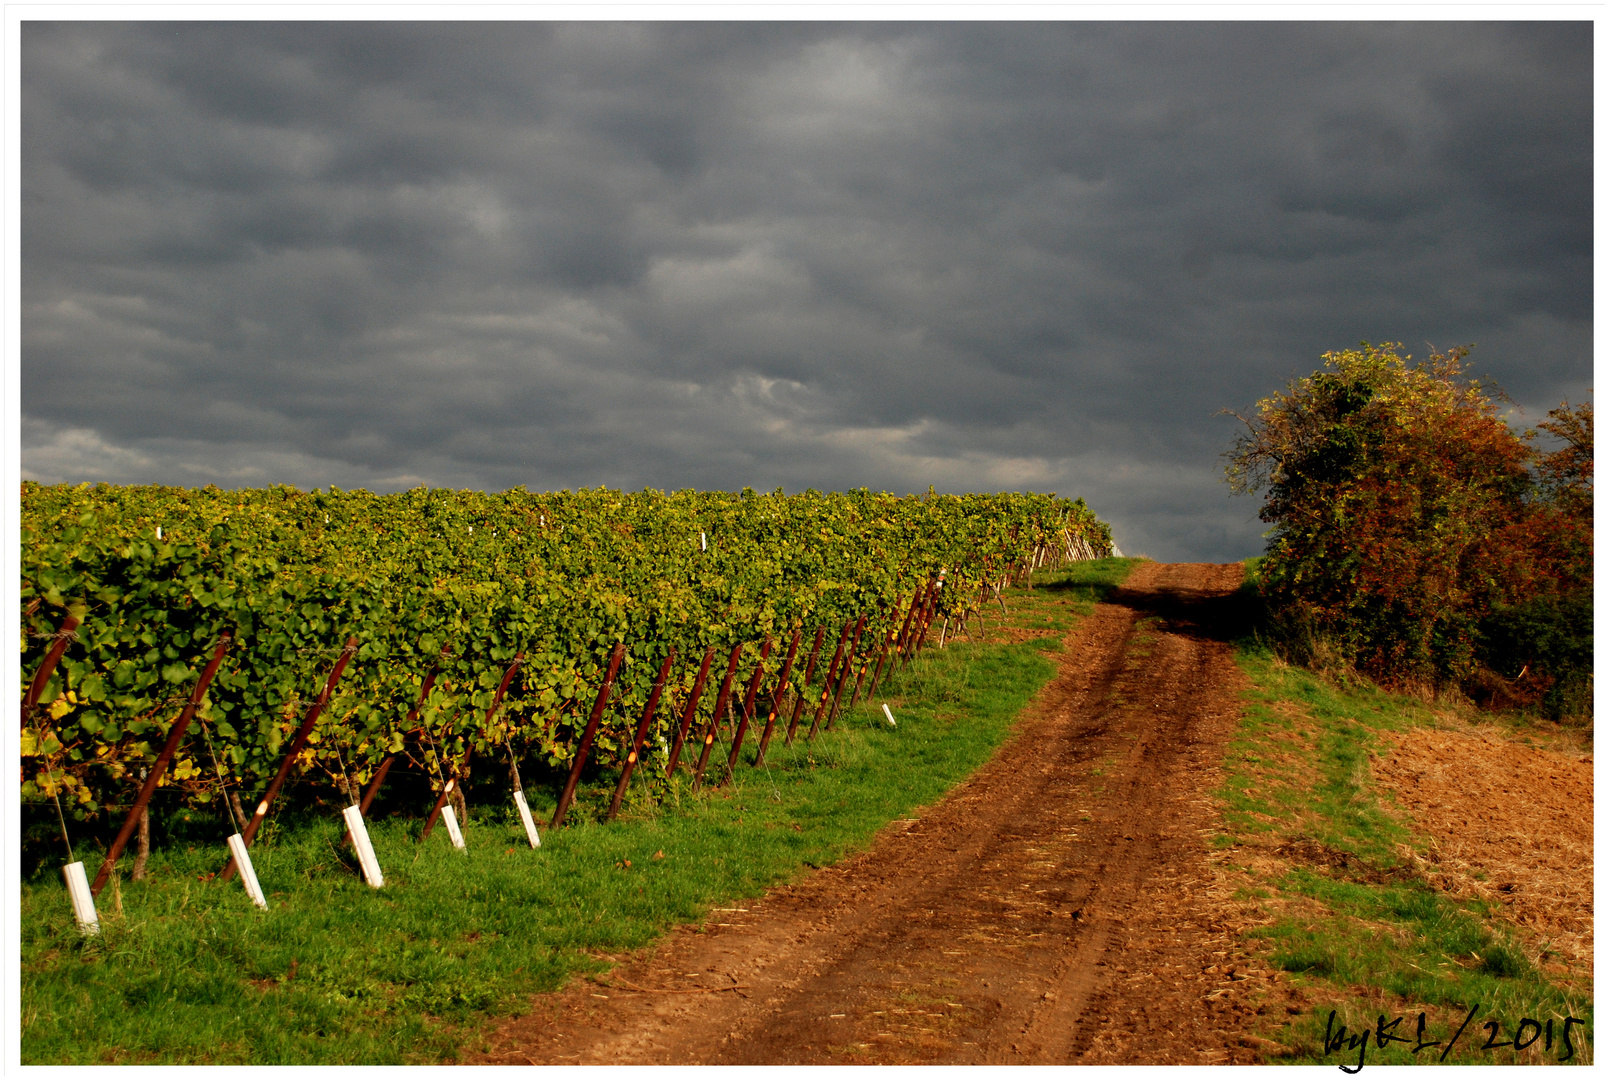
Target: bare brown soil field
1059, 906
1510, 824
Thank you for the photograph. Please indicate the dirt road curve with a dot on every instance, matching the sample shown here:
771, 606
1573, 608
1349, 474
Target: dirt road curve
1055, 908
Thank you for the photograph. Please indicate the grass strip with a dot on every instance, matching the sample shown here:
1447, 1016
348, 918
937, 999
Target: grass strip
1349, 913
187, 971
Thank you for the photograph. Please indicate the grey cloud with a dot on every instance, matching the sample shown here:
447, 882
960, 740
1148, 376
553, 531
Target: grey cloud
974, 256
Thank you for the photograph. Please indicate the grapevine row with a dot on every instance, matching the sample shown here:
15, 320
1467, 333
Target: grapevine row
441, 591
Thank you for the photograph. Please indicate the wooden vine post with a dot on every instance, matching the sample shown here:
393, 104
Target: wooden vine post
641, 734
777, 696
586, 739
804, 685
905, 629
832, 673
888, 643
748, 706
843, 676
411, 718
448, 781
447, 786
249, 833
918, 624
154, 775
931, 609
865, 666
47, 667
689, 712
715, 717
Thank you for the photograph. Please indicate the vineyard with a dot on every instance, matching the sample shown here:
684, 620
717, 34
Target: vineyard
223, 644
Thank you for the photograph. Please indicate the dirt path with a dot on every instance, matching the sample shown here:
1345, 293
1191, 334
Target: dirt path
1057, 907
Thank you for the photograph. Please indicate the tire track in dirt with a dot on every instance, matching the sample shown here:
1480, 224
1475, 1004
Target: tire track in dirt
991, 929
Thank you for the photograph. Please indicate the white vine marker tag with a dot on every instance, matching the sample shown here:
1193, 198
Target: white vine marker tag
360, 840
248, 873
889, 715
703, 545
451, 819
83, 902
525, 816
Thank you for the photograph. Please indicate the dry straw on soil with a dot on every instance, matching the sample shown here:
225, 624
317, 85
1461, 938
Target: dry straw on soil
1510, 825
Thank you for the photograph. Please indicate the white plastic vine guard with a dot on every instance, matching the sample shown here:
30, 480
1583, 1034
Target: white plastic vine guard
360, 840
451, 819
525, 817
889, 715
83, 902
248, 873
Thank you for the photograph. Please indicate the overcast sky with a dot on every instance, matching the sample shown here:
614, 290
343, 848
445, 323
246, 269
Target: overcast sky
974, 256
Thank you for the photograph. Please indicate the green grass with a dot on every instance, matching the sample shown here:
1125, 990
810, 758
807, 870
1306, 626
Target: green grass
1083, 583
338, 973
1361, 929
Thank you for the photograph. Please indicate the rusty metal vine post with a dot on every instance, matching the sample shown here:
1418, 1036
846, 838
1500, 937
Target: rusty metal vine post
776, 700
154, 775
448, 781
804, 685
47, 666
748, 706
642, 734
715, 717
690, 711
591, 733
249, 833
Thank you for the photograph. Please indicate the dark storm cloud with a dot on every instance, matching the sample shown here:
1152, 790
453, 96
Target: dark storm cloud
974, 256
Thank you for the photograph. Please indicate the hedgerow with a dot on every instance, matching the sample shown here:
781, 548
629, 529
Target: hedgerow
1415, 534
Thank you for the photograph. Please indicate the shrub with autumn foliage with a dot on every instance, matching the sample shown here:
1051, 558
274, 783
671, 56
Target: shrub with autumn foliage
1416, 536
